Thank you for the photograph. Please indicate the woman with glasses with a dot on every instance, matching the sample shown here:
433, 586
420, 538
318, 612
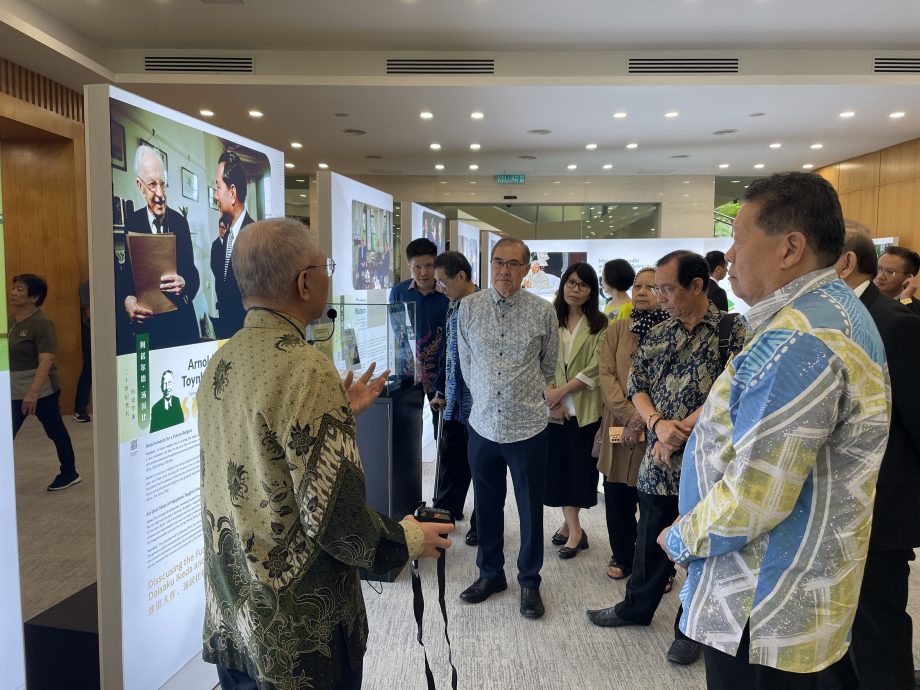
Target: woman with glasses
575, 406
619, 463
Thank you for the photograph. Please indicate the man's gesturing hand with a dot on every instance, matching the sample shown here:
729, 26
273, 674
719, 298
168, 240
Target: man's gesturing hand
363, 392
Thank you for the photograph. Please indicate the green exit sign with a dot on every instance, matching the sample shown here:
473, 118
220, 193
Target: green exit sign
510, 179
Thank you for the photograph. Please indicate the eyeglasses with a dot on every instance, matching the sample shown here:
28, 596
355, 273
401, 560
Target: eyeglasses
513, 265
152, 185
329, 266
575, 285
891, 274
664, 291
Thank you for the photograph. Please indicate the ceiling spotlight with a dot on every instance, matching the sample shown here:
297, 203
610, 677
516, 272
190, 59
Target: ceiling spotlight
635, 208
323, 166
288, 165
571, 166
808, 166
817, 146
736, 181
673, 113
591, 147
758, 165
210, 113
619, 115
723, 165
607, 166
439, 166
303, 196
555, 181
473, 166
847, 113
472, 181
435, 147
475, 147
632, 146
776, 145
425, 115
894, 116
301, 179
296, 145
255, 113
477, 115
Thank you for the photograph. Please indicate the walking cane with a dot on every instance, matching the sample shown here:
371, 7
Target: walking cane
437, 461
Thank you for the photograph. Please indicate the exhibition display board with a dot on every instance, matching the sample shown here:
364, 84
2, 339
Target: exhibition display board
550, 258
11, 651
168, 196
428, 224
491, 240
464, 238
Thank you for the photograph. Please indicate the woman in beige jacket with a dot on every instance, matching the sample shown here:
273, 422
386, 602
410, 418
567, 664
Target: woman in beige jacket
619, 463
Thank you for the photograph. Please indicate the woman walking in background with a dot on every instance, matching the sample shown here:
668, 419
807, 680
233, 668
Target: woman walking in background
575, 406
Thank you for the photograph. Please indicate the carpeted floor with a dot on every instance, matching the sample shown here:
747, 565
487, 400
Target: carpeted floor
493, 646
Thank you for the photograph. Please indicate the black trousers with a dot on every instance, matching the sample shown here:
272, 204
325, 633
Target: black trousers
651, 566
620, 502
85, 382
48, 411
455, 476
231, 679
726, 672
490, 462
881, 653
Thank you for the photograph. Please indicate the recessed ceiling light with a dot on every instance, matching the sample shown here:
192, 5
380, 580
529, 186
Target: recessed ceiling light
591, 147
686, 181
571, 166
635, 208
296, 145
847, 113
587, 181
301, 179
472, 181
303, 196
425, 115
607, 166
210, 113
255, 113
686, 195
443, 181
435, 147
555, 181
723, 165
894, 116
473, 166
323, 166
620, 115
817, 146
673, 113
632, 146
439, 166
736, 181
776, 145
476, 115
758, 165
808, 166
288, 165
475, 147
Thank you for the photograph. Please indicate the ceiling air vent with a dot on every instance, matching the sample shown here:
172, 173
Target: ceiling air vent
445, 66
684, 65
199, 64
902, 65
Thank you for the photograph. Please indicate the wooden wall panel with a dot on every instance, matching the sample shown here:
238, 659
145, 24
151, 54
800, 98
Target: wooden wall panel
861, 206
41, 231
31, 87
900, 162
899, 212
831, 173
859, 173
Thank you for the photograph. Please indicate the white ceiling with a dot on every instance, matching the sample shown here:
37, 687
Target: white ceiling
68, 39
492, 24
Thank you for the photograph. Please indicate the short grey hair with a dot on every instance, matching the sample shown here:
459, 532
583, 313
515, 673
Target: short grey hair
142, 152
505, 241
268, 255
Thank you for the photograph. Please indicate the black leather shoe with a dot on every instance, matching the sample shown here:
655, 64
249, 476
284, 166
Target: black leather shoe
482, 589
567, 552
684, 652
608, 618
471, 538
531, 603
559, 539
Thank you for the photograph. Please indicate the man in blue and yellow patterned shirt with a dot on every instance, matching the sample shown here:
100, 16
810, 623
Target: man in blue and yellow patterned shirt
779, 474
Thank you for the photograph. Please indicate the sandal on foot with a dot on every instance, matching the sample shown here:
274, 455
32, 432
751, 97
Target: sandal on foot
624, 572
670, 585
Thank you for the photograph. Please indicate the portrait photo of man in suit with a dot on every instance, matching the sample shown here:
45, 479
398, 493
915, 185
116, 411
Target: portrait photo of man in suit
171, 328
230, 195
167, 411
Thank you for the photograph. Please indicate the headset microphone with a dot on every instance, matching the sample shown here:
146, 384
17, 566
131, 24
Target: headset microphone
331, 315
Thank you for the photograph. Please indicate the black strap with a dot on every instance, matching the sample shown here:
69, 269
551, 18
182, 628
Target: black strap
726, 323
418, 604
